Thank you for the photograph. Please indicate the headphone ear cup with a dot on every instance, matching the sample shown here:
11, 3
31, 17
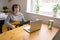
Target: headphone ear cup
19, 7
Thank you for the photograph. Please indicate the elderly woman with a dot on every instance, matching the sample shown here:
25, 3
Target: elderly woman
16, 15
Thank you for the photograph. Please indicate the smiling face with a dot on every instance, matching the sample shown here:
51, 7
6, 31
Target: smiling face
16, 8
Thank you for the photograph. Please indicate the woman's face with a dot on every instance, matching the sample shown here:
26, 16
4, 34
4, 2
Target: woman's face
16, 9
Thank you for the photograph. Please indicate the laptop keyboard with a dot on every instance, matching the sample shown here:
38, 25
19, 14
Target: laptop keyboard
29, 29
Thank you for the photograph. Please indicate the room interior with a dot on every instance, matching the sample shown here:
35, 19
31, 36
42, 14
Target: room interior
31, 14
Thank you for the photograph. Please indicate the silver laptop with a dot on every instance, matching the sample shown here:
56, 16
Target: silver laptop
34, 26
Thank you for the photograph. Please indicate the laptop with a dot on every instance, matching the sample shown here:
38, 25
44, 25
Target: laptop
34, 26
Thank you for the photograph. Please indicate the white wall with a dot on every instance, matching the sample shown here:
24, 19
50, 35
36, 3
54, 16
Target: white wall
28, 16
22, 3
45, 19
3, 3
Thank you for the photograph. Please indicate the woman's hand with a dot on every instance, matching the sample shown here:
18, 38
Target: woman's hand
13, 26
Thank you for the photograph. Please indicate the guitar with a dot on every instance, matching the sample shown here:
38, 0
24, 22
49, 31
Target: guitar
13, 23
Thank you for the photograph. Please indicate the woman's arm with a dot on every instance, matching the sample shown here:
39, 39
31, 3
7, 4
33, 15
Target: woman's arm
25, 21
7, 22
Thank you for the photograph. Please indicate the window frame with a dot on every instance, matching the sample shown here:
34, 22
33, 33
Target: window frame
39, 12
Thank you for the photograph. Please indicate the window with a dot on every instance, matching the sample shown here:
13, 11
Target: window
45, 6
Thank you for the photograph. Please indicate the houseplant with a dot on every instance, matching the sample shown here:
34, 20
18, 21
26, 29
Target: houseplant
37, 6
5, 9
55, 9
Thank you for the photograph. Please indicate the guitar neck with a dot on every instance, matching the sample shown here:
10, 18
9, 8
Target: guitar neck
15, 22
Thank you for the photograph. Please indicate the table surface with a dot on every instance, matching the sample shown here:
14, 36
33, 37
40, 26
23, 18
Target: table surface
20, 34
